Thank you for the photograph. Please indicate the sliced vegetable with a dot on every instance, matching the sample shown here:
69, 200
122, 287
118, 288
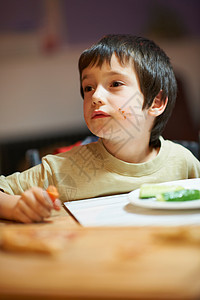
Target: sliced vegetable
52, 192
151, 190
183, 195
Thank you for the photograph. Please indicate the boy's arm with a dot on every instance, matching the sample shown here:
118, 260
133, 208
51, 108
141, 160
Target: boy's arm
32, 206
7, 204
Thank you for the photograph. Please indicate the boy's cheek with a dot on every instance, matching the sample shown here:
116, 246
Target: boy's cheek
123, 113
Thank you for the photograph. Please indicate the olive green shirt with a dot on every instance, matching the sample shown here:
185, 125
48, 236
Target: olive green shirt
91, 171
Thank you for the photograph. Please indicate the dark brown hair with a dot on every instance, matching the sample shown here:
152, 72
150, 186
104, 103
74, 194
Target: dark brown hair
151, 65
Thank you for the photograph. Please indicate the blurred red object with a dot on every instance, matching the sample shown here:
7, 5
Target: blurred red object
67, 148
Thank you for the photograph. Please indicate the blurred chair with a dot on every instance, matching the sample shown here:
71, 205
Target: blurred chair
33, 155
193, 146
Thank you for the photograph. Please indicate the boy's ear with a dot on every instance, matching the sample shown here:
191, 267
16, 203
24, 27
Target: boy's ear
158, 106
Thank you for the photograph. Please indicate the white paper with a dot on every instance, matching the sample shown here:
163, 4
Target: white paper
118, 211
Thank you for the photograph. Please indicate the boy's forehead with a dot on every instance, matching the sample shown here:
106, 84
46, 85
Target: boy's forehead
112, 66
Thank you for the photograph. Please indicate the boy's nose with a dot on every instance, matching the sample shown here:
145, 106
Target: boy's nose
97, 102
97, 97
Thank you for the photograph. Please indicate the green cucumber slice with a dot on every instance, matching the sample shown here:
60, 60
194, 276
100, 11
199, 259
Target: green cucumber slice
182, 195
151, 190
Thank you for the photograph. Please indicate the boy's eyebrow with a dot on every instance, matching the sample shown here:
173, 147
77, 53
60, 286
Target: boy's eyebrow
109, 73
85, 77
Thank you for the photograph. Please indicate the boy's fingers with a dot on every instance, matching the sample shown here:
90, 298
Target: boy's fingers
20, 216
33, 204
57, 204
41, 196
29, 212
23, 218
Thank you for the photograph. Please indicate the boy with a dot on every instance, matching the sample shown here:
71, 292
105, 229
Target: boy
129, 91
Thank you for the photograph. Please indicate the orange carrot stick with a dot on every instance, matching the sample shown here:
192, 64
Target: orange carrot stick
52, 192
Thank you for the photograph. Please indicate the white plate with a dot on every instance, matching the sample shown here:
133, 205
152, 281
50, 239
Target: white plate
154, 204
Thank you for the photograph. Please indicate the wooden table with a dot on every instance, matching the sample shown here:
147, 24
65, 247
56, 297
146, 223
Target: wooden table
106, 263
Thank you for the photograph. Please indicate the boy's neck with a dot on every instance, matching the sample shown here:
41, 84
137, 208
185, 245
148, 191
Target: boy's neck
134, 152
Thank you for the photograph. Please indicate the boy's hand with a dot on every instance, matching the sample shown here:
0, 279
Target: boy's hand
34, 205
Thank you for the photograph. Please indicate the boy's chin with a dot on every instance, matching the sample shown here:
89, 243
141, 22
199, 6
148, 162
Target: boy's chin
97, 133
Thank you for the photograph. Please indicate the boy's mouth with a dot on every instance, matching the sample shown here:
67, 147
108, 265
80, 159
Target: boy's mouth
99, 114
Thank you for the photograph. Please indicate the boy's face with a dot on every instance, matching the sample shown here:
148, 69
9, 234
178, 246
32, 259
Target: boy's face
113, 102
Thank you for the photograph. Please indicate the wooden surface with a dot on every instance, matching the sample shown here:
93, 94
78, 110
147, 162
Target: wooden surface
105, 263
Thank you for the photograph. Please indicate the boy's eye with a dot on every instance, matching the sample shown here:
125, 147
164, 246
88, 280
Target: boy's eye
87, 89
116, 84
